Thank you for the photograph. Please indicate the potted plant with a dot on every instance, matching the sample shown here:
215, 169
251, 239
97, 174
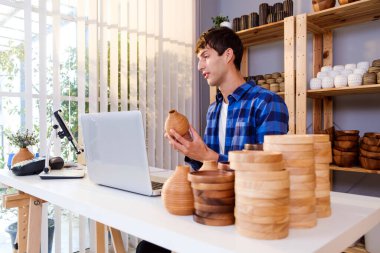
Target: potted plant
221, 21
22, 139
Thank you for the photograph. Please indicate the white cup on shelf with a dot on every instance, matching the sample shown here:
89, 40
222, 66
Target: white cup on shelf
315, 84
340, 81
327, 82
360, 71
334, 73
321, 75
338, 67
346, 72
351, 66
363, 65
326, 69
354, 80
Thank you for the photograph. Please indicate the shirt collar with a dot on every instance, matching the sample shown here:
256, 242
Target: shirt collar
237, 94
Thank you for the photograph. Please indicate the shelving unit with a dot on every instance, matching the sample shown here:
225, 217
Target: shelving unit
281, 30
320, 25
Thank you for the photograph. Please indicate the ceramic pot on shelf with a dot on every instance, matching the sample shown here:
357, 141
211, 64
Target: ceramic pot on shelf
177, 194
22, 155
178, 122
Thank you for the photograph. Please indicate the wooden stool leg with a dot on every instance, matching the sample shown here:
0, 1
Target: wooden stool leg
22, 228
100, 240
117, 241
34, 230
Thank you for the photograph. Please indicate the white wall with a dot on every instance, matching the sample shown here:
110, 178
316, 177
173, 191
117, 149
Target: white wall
351, 45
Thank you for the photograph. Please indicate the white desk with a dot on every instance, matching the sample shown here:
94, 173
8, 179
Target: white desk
146, 218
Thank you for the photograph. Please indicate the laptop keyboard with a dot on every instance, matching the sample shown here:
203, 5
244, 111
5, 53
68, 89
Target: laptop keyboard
157, 185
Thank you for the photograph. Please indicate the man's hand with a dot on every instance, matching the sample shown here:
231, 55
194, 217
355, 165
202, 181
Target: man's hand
196, 149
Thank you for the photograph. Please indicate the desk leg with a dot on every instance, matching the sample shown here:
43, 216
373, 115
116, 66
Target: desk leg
34, 230
117, 241
100, 240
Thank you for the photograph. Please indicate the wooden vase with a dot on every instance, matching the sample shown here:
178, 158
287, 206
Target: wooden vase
320, 5
178, 122
342, 2
209, 165
22, 155
177, 194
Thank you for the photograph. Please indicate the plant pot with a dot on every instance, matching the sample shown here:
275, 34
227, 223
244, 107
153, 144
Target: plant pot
12, 231
22, 155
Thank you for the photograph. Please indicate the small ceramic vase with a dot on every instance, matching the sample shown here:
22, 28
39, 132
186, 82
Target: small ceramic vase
338, 67
346, 72
351, 66
327, 82
340, 81
363, 65
321, 75
177, 194
326, 68
22, 155
209, 165
315, 83
178, 122
226, 24
354, 80
334, 73
360, 71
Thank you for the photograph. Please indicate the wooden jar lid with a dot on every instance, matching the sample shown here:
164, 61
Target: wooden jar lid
252, 156
211, 176
293, 139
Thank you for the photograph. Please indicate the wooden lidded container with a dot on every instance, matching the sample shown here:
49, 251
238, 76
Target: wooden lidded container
177, 194
209, 165
261, 194
298, 155
214, 197
322, 158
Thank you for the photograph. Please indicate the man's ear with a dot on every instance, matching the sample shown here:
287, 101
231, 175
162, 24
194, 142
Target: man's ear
229, 55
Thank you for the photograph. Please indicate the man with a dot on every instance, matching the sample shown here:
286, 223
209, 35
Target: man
243, 111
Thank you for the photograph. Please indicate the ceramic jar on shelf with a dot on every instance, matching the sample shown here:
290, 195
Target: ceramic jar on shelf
340, 81
360, 71
326, 68
327, 82
354, 80
363, 65
346, 72
315, 84
338, 67
350, 66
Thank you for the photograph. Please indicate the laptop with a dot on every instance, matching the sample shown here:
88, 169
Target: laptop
115, 151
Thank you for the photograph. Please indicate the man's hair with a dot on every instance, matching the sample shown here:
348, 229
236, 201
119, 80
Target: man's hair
220, 39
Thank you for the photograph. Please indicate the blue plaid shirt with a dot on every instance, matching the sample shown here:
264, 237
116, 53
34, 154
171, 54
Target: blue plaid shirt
252, 113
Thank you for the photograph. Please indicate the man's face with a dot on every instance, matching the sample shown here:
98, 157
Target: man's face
211, 65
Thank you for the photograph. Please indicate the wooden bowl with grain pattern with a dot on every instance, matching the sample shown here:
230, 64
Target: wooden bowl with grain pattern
320, 5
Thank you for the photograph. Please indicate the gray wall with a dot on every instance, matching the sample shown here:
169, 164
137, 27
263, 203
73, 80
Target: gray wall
351, 45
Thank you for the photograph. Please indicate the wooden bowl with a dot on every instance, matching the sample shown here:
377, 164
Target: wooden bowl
213, 187
346, 132
345, 160
213, 222
372, 135
343, 2
214, 208
255, 156
370, 164
320, 5
346, 144
347, 138
369, 148
216, 216
369, 154
371, 141
211, 176
291, 139
253, 146
337, 152
214, 194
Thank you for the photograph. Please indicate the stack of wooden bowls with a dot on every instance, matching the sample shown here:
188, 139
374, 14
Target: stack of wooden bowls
262, 194
322, 159
214, 197
370, 151
346, 148
298, 155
